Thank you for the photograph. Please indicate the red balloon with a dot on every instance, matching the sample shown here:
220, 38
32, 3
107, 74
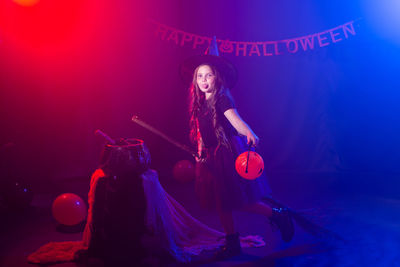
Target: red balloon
184, 171
249, 166
69, 209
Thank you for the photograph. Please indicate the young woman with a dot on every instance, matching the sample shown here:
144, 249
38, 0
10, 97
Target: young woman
221, 135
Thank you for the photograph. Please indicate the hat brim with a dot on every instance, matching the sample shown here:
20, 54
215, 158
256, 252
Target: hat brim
224, 66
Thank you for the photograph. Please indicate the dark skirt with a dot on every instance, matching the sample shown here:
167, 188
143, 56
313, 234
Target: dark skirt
219, 186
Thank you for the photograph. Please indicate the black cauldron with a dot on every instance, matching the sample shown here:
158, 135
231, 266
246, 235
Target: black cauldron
127, 156
119, 204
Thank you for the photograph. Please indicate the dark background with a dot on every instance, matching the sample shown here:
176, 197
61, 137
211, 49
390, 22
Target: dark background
68, 68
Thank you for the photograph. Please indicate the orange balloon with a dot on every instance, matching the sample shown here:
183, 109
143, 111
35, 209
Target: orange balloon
69, 209
184, 171
249, 166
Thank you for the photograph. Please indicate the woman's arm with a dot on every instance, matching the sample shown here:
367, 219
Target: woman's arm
238, 123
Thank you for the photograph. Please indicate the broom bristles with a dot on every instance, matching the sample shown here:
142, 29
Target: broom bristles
305, 223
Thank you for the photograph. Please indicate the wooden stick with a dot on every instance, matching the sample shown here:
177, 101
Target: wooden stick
159, 133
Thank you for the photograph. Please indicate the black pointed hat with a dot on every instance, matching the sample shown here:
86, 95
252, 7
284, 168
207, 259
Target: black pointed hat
211, 57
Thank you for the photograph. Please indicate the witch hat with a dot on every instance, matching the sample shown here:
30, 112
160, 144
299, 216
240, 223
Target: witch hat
211, 57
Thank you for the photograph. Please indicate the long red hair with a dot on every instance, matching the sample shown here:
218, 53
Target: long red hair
197, 99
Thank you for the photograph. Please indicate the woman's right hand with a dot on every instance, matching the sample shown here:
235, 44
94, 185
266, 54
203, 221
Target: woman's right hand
199, 157
200, 145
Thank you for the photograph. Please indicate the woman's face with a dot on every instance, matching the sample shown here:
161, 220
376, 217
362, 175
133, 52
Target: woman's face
205, 79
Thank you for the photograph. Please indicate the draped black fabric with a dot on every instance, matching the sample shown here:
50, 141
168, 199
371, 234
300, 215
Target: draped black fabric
118, 221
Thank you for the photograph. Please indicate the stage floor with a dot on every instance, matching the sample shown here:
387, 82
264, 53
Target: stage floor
368, 220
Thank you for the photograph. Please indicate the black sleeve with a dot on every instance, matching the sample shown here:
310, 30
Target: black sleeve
225, 102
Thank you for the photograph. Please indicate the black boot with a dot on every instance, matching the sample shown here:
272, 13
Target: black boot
231, 248
281, 218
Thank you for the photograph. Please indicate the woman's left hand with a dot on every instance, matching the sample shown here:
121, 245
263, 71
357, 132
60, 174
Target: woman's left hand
252, 139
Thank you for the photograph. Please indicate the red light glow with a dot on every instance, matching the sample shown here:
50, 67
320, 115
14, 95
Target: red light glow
26, 2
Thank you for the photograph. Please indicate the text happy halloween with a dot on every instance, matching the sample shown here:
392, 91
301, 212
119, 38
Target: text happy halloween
266, 48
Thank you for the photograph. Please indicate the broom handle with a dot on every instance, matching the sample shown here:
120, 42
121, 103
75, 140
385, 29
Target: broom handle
159, 133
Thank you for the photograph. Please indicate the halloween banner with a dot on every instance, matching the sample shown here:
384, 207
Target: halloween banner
261, 48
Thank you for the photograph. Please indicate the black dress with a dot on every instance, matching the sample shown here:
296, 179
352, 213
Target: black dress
217, 182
